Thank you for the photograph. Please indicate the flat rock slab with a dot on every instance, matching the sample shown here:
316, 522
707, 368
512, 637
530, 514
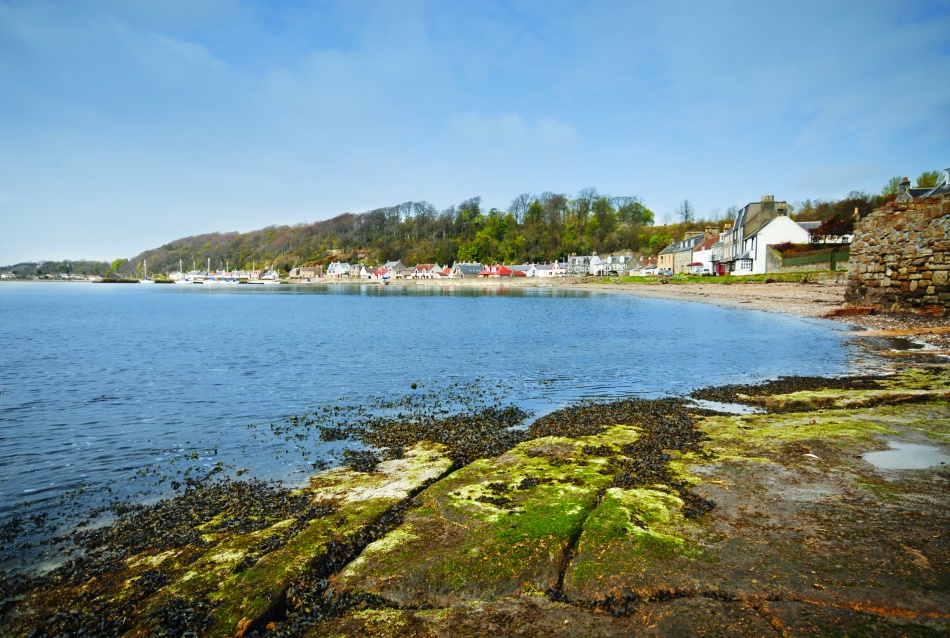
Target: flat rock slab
493, 529
800, 517
537, 617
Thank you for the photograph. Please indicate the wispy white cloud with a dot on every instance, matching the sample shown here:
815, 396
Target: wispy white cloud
511, 132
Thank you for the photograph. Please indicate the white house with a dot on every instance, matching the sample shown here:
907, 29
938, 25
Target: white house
595, 266
553, 269
366, 272
752, 260
618, 264
338, 269
426, 271
529, 270
703, 253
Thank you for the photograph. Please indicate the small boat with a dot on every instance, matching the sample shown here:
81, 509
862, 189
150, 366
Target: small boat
182, 277
145, 279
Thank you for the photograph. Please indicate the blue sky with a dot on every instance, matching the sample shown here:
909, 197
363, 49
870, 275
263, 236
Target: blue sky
127, 124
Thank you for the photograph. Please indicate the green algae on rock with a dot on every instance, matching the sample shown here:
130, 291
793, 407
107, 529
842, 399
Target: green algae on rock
236, 579
800, 517
460, 546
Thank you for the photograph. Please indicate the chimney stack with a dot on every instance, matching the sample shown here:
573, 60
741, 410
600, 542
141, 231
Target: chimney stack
903, 191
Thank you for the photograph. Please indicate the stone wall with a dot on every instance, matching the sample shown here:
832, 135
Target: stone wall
900, 258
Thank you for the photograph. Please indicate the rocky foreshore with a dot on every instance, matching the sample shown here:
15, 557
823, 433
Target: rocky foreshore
664, 517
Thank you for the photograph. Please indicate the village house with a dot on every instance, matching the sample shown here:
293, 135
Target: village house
553, 269
338, 269
749, 219
310, 272
426, 271
717, 263
464, 270
499, 270
754, 257
366, 272
618, 264
578, 265
644, 267
702, 253
595, 265
664, 260
683, 252
905, 192
394, 266
529, 270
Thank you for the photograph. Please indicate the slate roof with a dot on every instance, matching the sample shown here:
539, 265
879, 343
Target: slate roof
469, 269
942, 187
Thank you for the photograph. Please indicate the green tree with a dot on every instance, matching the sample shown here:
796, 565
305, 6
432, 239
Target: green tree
891, 187
117, 263
928, 179
658, 243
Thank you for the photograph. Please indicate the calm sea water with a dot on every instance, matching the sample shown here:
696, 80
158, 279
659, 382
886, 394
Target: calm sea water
100, 383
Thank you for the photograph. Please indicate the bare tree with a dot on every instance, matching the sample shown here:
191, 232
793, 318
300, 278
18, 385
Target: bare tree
686, 212
519, 206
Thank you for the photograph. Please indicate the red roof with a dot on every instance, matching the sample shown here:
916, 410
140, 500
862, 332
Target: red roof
496, 271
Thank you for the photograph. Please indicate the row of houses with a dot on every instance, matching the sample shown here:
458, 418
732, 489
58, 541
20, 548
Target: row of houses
575, 266
462, 270
741, 248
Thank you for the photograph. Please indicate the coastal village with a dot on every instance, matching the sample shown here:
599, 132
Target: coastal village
743, 247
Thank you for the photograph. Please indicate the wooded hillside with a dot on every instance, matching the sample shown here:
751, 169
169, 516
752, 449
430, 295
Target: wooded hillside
534, 229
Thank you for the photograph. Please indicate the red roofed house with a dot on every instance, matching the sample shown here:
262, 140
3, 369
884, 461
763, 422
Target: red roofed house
499, 270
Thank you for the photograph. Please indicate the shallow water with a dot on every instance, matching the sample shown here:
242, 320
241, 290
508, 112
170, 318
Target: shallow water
907, 456
119, 387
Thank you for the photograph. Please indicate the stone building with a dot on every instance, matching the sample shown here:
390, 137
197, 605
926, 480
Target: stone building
900, 256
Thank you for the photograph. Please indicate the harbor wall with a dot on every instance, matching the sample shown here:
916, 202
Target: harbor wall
900, 258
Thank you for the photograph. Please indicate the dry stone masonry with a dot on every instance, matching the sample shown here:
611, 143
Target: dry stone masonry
900, 258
